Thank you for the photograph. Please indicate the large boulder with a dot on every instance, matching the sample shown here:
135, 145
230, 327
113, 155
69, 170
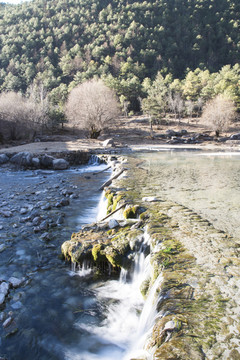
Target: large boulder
3, 159
47, 161
36, 162
60, 164
22, 159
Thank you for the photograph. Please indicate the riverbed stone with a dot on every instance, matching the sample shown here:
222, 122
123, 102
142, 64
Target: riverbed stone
36, 162
4, 288
36, 220
22, 159
23, 211
47, 161
3, 159
60, 164
60, 220
113, 223
2, 298
15, 282
46, 207
45, 236
64, 202
44, 225
7, 322
6, 213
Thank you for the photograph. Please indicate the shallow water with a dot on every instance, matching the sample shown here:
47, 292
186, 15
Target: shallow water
206, 182
50, 300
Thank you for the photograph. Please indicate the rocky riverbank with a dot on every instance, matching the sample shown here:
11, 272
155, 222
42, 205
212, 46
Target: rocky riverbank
198, 298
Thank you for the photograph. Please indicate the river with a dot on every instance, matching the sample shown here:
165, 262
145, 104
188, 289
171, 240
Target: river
66, 314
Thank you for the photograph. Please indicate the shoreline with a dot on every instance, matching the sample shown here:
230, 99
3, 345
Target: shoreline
96, 146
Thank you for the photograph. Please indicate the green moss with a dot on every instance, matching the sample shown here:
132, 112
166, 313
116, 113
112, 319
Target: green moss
116, 201
144, 216
130, 213
96, 251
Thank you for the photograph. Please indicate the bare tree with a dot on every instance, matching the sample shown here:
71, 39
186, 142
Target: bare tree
218, 113
38, 95
176, 104
189, 104
17, 113
91, 105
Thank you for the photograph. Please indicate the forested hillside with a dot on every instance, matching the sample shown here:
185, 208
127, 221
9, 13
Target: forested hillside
63, 42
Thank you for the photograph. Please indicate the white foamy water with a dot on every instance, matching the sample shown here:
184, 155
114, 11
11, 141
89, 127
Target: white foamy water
127, 318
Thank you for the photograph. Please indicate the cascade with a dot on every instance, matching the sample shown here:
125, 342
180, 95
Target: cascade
94, 160
122, 330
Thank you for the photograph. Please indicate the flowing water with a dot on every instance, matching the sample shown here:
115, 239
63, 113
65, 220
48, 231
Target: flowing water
47, 305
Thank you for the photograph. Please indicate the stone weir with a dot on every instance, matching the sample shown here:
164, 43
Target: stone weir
198, 299
50, 160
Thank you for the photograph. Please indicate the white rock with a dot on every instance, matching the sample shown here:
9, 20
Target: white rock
2, 298
113, 223
4, 288
150, 198
15, 282
170, 325
7, 322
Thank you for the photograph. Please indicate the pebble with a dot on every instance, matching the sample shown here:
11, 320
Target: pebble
46, 207
64, 202
6, 213
60, 220
45, 236
7, 322
23, 211
2, 248
17, 305
44, 225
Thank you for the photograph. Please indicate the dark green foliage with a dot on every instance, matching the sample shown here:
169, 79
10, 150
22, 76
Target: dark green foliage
67, 42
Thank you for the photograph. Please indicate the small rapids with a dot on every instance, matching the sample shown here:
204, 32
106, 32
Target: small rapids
126, 318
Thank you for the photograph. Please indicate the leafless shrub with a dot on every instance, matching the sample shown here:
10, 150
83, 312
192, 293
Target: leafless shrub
218, 113
91, 105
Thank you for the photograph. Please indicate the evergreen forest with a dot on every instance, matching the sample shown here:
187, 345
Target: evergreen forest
193, 46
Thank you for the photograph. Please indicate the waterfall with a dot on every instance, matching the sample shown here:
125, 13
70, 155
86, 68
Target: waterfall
102, 207
123, 331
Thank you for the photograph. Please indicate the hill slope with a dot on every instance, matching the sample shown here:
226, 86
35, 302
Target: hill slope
63, 42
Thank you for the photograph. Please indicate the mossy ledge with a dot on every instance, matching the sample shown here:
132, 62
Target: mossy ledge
196, 318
